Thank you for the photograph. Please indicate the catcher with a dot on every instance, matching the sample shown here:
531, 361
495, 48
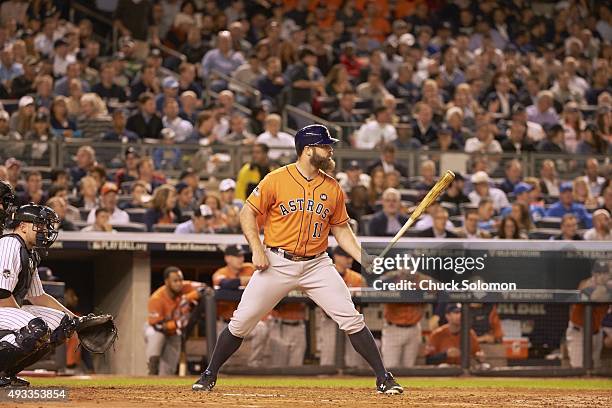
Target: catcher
33, 323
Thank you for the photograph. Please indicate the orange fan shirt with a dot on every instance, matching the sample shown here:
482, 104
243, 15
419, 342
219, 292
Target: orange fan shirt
297, 213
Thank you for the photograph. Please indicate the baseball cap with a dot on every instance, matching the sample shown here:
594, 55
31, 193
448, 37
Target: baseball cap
407, 39
203, 211
12, 162
567, 186
181, 186
339, 251
353, 165
109, 188
25, 101
521, 188
167, 133
234, 250
41, 117
601, 211
189, 93
480, 177
227, 184
59, 42
4, 115
170, 82
131, 150
453, 307
187, 172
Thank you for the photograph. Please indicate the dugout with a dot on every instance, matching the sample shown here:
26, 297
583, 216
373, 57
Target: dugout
115, 273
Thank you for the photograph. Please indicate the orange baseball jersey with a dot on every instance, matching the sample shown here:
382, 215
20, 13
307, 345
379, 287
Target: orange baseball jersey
353, 279
442, 339
577, 315
403, 313
297, 213
225, 308
162, 306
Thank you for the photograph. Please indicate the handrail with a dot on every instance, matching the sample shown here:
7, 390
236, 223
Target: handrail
248, 88
292, 109
89, 12
244, 109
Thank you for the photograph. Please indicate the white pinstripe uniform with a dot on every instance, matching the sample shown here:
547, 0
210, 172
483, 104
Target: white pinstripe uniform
10, 268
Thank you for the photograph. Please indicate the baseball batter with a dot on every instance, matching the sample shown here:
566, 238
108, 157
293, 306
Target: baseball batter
28, 332
299, 204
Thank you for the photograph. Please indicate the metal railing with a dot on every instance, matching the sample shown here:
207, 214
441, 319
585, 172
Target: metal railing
235, 85
292, 110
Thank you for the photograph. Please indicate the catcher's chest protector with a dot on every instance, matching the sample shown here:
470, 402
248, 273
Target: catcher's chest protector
29, 266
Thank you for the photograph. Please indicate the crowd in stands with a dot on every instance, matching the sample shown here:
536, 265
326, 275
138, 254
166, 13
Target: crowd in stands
485, 78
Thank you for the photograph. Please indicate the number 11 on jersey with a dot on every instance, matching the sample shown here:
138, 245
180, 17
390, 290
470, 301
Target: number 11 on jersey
317, 230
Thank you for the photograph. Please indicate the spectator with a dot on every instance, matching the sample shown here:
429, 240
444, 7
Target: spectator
60, 178
137, 29
484, 142
39, 137
482, 189
471, 229
24, 84
181, 127
389, 220
187, 79
439, 226
567, 205
61, 124
272, 83
249, 72
373, 90
88, 193
73, 74
238, 131
184, 203
219, 220
194, 48
85, 160
101, 222
200, 222
542, 112
305, 79
592, 142
582, 194
15, 147
146, 174
162, 204
352, 177
62, 57
553, 142
388, 161
508, 228
337, 81
486, 211
517, 140
500, 101
170, 90
549, 183
59, 205
146, 123
346, 113
376, 132
167, 156
601, 227
189, 106
108, 200
427, 177
227, 192
148, 83
514, 174
94, 122
454, 193
402, 85
106, 88
252, 173
607, 199
140, 197
445, 141
569, 229
273, 137
222, 58
423, 128
119, 132
33, 192
592, 177
444, 342
22, 120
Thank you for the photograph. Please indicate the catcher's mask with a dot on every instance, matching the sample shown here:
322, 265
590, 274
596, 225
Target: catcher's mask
7, 199
45, 223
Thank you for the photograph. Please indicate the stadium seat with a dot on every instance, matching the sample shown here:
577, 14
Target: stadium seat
130, 227
549, 222
410, 195
164, 227
451, 208
457, 220
364, 224
543, 233
136, 214
84, 213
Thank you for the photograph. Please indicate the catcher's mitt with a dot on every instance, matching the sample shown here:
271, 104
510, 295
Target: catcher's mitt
96, 333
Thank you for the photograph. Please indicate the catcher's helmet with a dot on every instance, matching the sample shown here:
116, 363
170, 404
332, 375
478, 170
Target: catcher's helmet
313, 135
7, 199
45, 222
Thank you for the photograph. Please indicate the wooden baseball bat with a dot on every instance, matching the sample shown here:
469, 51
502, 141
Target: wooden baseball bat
431, 196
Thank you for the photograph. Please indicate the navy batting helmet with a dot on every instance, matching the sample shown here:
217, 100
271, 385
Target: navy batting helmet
313, 135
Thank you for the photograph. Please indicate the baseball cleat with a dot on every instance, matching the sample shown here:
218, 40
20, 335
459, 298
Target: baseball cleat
18, 381
206, 382
388, 385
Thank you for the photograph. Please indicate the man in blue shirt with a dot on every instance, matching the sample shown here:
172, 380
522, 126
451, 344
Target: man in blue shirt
567, 205
521, 194
199, 222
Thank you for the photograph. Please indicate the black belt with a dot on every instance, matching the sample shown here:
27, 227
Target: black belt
578, 328
291, 322
292, 257
401, 325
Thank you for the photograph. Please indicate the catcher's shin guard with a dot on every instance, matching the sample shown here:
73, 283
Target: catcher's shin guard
30, 359
28, 340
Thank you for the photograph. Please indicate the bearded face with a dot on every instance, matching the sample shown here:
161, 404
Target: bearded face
324, 163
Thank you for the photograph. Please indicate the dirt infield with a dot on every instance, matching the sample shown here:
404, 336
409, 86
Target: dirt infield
272, 397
